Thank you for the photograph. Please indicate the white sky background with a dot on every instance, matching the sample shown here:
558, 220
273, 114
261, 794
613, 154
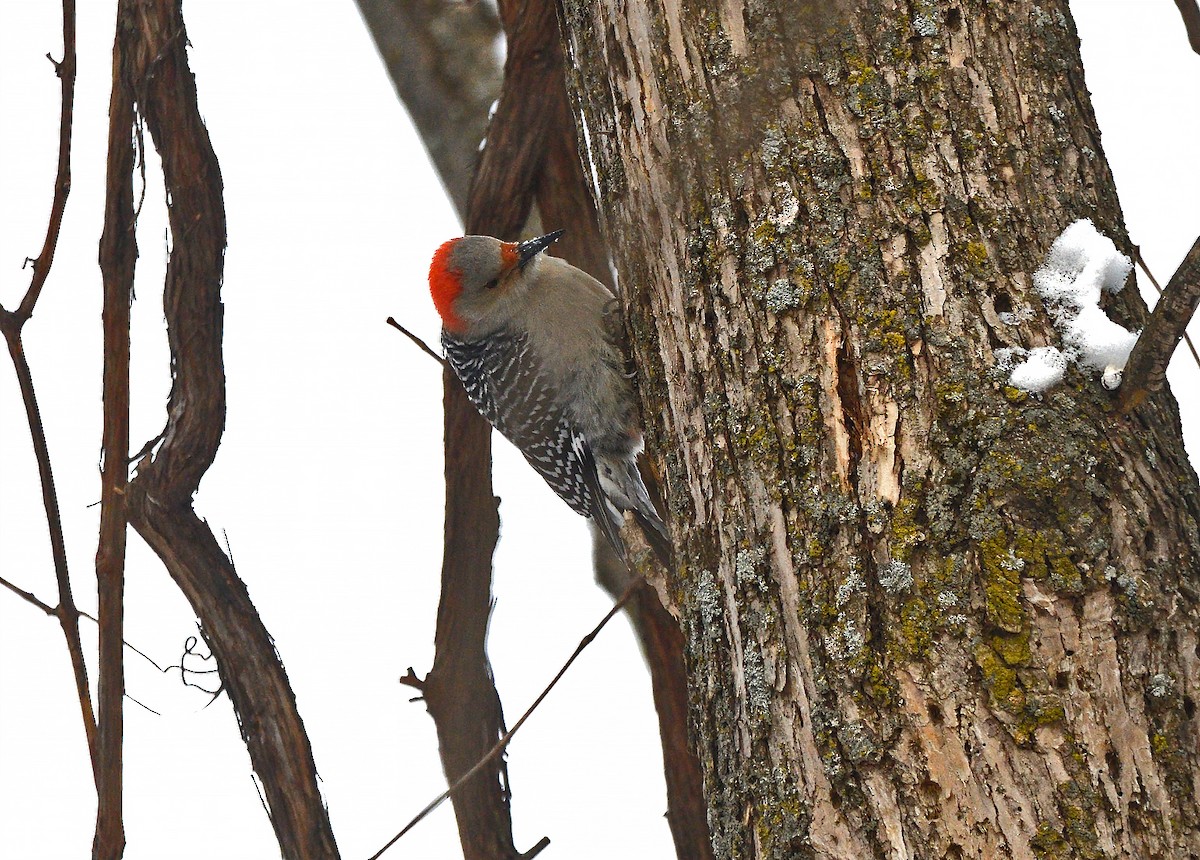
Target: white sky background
329, 481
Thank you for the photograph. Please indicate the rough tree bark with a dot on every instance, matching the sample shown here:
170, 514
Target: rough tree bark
927, 615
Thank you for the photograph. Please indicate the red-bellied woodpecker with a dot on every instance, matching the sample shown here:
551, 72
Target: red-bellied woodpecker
532, 340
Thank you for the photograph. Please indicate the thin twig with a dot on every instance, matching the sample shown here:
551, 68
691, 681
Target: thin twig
1137, 253
1146, 370
54, 612
62, 181
507, 736
1191, 20
420, 343
28, 598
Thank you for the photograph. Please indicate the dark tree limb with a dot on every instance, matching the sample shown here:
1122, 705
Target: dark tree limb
118, 257
1146, 370
1191, 20
152, 52
11, 324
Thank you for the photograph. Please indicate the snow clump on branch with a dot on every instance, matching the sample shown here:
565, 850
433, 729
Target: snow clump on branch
1081, 264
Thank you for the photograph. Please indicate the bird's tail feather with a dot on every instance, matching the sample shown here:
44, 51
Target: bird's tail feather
655, 531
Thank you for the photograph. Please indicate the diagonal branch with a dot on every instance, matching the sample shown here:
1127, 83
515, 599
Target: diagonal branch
441, 57
1146, 369
68, 616
1191, 20
1137, 254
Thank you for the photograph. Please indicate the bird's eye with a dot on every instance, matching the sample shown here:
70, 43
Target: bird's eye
491, 285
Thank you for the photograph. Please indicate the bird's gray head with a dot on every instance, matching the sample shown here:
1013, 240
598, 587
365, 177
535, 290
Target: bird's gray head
470, 278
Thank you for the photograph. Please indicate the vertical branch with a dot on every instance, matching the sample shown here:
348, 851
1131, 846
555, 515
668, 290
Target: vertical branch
11, 324
459, 690
118, 256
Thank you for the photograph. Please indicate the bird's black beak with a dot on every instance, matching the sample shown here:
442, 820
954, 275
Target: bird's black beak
529, 249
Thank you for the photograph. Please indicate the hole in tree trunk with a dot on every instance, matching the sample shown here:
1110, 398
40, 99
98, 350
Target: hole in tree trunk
931, 796
1114, 765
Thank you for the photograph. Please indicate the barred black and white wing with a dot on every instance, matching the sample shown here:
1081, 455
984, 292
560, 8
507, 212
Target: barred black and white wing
503, 378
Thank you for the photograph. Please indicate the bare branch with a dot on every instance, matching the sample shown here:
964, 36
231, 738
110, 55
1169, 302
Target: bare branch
1146, 369
1191, 20
11, 323
54, 612
498, 748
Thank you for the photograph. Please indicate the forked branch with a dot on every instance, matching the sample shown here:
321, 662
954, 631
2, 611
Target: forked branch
11, 324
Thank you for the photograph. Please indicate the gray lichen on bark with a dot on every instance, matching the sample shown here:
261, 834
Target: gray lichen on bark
925, 611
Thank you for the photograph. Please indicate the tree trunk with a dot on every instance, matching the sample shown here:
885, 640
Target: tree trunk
927, 615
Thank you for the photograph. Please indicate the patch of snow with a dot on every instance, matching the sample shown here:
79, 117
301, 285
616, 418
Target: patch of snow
1043, 367
1082, 264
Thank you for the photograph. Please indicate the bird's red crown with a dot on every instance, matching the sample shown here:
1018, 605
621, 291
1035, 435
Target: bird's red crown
445, 284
